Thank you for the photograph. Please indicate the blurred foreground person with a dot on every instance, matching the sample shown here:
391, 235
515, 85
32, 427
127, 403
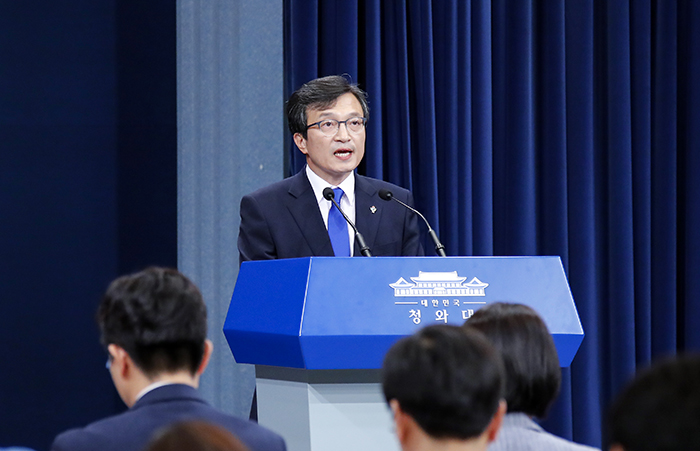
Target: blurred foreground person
444, 386
659, 410
532, 375
153, 325
195, 436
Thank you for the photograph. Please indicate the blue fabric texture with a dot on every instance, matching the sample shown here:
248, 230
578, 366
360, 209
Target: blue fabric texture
540, 128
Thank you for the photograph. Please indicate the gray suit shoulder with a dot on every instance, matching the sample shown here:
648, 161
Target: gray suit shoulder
520, 433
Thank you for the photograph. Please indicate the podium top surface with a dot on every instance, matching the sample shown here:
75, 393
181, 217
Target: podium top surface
345, 312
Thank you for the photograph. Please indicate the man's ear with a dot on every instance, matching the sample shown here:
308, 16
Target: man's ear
394, 406
208, 349
400, 420
496, 422
300, 141
121, 361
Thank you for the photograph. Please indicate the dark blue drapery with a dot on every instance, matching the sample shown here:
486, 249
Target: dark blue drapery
552, 127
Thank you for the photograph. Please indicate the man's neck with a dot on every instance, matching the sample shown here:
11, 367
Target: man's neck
324, 179
180, 377
427, 443
145, 385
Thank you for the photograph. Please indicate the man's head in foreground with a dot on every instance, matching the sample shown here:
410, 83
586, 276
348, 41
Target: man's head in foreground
659, 410
444, 386
154, 326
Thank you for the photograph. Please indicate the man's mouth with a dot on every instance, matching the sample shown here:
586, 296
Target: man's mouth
342, 153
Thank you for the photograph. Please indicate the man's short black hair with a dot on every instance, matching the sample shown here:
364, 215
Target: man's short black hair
194, 435
159, 317
533, 374
320, 94
659, 410
449, 380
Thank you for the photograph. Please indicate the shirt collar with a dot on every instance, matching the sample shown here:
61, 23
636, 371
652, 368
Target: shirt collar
318, 185
151, 387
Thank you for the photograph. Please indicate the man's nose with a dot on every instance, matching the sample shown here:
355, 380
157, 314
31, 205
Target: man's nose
343, 134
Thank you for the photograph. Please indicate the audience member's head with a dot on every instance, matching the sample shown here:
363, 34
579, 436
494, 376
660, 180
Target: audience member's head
195, 436
153, 324
659, 410
444, 384
320, 94
530, 360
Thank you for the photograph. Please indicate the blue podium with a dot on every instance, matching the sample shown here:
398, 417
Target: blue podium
317, 329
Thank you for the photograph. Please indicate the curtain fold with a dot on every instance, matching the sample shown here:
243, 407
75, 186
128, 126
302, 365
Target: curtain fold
689, 167
617, 191
538, 127
663, 173
477, 233
640, 84
582, 259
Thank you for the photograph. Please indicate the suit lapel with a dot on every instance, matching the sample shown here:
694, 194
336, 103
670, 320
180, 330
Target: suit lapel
303, 207
366, 201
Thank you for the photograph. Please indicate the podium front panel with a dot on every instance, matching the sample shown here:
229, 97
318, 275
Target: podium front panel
345, 313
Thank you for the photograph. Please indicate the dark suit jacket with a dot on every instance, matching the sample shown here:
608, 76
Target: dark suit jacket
282, 220
131, 430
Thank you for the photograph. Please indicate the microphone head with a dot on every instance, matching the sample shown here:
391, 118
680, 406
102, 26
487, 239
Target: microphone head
328, 193
385, 194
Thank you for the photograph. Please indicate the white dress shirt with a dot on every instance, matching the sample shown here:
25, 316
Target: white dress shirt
347, 203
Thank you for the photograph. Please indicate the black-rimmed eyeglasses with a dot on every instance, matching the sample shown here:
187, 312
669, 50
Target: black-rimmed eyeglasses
330, 127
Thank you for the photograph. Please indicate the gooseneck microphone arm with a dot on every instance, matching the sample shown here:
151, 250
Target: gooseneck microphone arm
387, 195
330, 195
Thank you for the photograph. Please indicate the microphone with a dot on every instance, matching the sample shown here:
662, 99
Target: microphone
387, 195
330, 195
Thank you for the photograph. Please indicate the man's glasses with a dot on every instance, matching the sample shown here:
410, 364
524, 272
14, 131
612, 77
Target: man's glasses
330, 127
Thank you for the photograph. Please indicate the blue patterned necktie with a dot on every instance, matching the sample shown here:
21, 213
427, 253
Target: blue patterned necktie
338, 228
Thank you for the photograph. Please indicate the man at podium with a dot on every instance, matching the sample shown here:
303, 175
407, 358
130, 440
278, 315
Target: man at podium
294, 218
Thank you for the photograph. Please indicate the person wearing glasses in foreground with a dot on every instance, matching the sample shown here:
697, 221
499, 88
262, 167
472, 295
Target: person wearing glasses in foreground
288, 219
153, 325
532, 375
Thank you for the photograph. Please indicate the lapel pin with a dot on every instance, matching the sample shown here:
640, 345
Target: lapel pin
373, 209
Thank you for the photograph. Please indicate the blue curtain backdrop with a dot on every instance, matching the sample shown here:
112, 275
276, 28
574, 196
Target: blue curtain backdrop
88, 191
547, 127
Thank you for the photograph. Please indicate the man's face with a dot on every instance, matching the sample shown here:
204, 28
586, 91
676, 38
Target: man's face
333, 158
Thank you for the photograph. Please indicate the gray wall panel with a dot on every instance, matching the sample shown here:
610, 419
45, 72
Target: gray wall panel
230, 142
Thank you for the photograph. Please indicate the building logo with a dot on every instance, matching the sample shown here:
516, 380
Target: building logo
438, 296
438, 284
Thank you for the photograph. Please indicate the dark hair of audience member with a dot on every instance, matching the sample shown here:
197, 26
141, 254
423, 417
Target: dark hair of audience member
532, 371
195, 436
320, 94
159, 317
450, 381
659, 410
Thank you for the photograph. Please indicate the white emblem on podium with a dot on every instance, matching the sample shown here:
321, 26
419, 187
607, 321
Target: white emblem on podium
438, 284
